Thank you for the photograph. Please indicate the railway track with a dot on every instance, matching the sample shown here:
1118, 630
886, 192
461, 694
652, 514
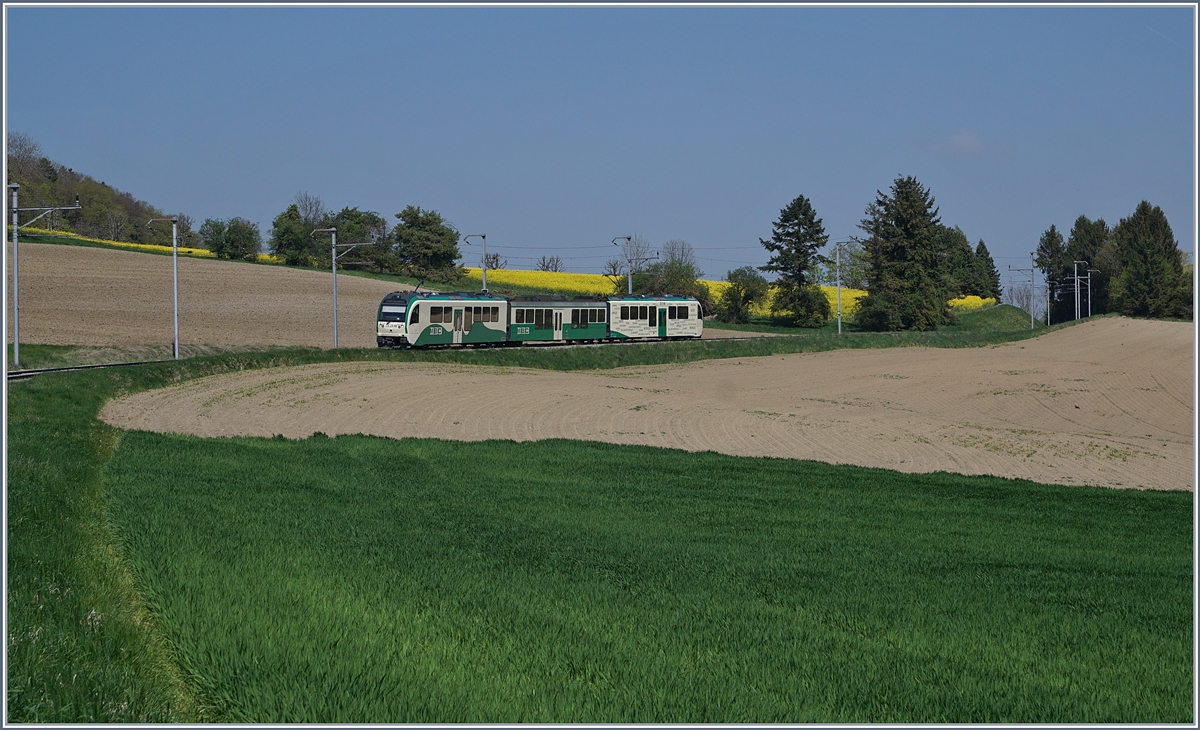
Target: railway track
15, 375
18, 375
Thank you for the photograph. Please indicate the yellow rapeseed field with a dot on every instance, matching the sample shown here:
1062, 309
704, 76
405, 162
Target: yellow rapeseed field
593, 284
557, 282
850, 298
971, 303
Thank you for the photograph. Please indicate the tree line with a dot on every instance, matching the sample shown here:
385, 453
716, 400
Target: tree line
907, 260
1136, 267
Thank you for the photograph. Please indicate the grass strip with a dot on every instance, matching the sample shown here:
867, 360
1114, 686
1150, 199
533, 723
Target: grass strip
362, 579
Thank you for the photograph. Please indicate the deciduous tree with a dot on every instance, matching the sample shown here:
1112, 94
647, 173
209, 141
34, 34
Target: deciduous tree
242, 239
426, 244
237, 238
746, 287
555, 263
676, 272
291, 237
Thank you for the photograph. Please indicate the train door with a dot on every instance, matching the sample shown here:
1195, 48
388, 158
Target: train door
662, 322
558, 335
468, 322
458, 326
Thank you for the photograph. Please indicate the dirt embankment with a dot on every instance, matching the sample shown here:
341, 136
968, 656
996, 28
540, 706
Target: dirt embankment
74, 295
1105, 403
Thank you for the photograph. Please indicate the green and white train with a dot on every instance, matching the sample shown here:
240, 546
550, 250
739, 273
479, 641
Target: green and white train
412, 319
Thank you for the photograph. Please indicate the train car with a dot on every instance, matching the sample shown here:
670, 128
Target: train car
663, 317
557, 319
411, 319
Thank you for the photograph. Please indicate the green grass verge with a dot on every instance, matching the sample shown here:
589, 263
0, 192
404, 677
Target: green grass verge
361, 579
1000, 318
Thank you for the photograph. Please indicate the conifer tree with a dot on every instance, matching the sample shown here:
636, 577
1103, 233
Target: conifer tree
796, 238
989, 276
1151, 282
1051, 260
1086, 242
906, 289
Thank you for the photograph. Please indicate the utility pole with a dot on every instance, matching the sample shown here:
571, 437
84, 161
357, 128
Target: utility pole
175, 268
484, 262
628, 268
1089, 281
1077, 263
629, 259
837, 256
16, 301
334, 256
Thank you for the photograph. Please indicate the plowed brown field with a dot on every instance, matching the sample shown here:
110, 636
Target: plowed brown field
75, 295
1106, 403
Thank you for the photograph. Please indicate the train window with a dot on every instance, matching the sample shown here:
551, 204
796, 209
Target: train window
574, 317
643, 313
624, 312
495, 314
519, 316
599, 315
435, 314
653, 316
537, 314
592, 315
548, 318
683, 312
416, 314
670, 312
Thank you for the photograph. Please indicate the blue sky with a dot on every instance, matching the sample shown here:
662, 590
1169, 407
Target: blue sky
553, 130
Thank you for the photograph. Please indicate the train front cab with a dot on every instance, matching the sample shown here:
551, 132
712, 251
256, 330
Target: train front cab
390, 320
435, 320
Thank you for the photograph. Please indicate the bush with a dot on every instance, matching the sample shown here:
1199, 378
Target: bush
807, 305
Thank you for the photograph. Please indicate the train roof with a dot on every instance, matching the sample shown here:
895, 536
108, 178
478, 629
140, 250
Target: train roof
407, 296
556, 299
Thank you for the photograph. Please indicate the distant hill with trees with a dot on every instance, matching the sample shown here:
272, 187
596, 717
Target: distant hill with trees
107, 212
